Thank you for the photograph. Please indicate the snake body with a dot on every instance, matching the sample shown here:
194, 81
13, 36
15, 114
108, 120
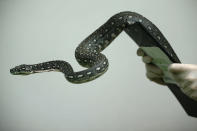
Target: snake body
88, 53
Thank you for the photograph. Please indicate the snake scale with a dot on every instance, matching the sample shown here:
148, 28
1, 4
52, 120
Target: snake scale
88, 53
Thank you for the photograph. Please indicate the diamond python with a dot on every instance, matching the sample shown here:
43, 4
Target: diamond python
88, 53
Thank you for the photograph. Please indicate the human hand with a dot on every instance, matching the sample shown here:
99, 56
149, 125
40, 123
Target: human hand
185, 76
153, 73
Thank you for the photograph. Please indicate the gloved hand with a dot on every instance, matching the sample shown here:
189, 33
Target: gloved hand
153, 73
185, 75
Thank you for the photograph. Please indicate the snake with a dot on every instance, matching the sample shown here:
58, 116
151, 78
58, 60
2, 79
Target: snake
88, 52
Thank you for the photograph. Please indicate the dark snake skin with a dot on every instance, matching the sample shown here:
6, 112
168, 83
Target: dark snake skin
88, 53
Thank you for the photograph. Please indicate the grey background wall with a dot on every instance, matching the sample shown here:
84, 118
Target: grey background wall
121, 100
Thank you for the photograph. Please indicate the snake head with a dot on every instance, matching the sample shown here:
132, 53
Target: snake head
21, 70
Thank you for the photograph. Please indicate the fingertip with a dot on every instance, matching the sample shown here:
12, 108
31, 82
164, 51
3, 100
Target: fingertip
153, 68
147, 59
155, 78
140, 52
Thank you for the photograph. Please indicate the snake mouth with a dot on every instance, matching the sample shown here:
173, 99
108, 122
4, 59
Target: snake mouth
12, 71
